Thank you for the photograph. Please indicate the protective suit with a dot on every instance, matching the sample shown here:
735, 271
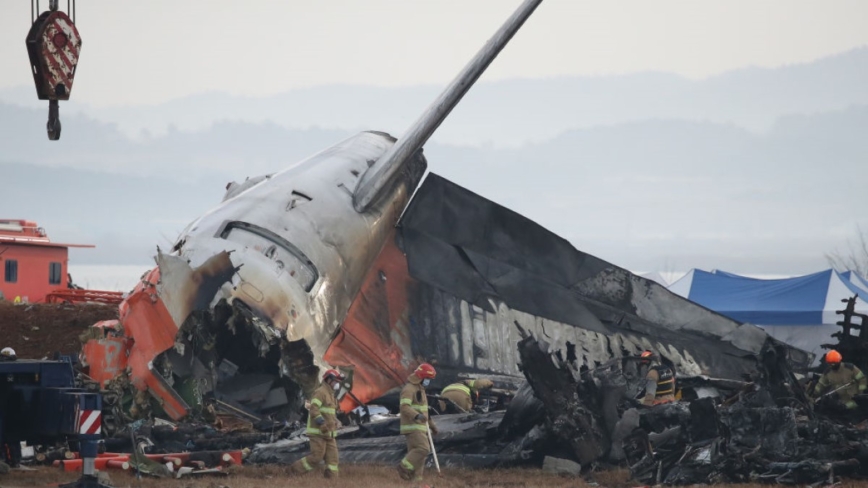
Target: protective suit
659, 385
836, 377
322, 426
461, 395
415, 423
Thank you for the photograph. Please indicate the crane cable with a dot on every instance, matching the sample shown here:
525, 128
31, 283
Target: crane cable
52, 5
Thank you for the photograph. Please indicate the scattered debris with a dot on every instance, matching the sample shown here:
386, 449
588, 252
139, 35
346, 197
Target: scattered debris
764, 430
561, 466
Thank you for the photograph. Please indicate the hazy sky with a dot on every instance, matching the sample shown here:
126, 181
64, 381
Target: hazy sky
152, 51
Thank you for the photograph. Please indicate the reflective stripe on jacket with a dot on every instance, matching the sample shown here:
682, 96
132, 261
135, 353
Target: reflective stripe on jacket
665, 381
458, 387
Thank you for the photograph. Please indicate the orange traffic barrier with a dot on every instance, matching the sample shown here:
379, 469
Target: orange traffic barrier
118, 460
75, 465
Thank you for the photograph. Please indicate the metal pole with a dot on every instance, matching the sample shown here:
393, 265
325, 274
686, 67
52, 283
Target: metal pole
433, 451
87, 466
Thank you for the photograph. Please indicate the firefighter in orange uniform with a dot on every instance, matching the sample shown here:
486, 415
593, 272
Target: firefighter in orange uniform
415, 422
659, 381
322, 426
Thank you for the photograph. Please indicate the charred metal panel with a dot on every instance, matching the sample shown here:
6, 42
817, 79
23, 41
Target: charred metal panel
398, 321
491, 348
434, 304
568, 415
507, 265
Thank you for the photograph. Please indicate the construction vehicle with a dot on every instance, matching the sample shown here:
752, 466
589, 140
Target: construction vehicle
41, 404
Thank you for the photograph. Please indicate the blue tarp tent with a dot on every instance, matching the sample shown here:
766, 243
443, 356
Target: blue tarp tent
799, 311
856, 280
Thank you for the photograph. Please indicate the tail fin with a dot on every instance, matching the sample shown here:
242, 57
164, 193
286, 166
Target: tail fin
384, 170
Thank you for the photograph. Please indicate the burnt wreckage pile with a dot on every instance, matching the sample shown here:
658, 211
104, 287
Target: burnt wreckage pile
457, 281
764, 429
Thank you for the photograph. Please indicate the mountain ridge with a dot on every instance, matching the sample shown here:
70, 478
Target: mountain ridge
509, 113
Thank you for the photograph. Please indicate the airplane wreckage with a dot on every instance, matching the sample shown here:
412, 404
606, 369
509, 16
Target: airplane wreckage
354, 259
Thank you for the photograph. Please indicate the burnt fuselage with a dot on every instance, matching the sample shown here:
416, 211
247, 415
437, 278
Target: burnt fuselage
299, 248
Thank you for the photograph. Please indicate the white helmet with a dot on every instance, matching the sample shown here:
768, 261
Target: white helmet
8, 352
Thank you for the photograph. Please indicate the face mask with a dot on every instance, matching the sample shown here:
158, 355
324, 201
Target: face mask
336, 386
426, 382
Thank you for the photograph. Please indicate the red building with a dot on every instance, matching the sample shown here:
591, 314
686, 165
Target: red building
31, 266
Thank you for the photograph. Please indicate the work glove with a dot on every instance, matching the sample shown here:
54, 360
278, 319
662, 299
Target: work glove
420, 418
434, 430
319, 420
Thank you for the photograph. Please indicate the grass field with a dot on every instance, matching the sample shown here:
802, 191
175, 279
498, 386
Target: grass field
351, 477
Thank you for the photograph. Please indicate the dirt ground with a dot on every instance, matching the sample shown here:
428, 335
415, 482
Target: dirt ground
353, 477
36, 331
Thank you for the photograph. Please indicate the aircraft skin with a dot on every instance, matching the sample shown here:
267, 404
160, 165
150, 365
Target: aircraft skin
287, 251
300, 247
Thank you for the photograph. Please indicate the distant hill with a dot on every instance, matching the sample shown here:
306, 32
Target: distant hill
513, 112
226, 148
637, 193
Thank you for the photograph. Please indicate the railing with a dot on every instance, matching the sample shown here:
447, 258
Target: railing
85, 296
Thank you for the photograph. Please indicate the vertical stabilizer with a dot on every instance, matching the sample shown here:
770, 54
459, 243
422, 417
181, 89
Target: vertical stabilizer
381, 173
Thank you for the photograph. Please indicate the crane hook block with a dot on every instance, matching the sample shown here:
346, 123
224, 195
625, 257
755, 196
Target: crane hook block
54, 46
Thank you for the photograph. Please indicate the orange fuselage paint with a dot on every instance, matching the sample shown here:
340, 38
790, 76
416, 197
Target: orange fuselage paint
148, 325
374, 339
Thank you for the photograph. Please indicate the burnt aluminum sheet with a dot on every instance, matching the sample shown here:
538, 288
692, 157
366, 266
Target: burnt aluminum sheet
494, 267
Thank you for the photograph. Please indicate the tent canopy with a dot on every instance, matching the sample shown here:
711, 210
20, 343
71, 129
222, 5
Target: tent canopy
803, 300
800, 311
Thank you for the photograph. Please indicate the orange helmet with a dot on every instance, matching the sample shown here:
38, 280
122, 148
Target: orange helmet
332, 373
425, 371
833, 357
646, 355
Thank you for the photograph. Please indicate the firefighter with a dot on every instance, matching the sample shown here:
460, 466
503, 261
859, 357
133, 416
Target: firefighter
659, 381
322, 426
844, 379
8, 354
458, 397
415, 422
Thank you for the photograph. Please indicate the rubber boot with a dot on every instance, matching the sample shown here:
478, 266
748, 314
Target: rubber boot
404, 473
